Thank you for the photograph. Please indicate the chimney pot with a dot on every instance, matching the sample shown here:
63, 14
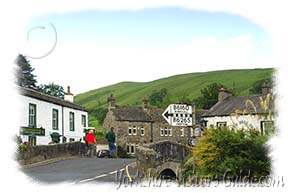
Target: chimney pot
68, 90
266, 88
111, 102
69, 96
145, 104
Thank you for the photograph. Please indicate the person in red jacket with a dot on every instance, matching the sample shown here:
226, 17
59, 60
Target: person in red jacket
91, 142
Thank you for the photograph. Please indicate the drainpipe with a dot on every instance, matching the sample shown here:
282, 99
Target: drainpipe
62, 124
151, 132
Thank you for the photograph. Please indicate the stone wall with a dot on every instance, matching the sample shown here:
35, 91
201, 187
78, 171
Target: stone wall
175, 136
33, 154
153, 158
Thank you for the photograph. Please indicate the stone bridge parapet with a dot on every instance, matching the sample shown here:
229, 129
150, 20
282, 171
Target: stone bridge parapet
154, 158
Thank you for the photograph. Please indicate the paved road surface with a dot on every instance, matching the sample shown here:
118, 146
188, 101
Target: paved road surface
81, 170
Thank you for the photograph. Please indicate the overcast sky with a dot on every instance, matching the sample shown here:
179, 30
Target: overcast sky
96, 48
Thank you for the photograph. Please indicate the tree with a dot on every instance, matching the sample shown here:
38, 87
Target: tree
52, 89
157, 98
183, 98
24, 73
99, 114
239, 153
209, 96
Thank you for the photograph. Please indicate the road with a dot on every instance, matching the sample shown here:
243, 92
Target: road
81, 170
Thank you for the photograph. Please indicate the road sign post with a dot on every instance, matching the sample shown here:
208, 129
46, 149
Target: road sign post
178, 115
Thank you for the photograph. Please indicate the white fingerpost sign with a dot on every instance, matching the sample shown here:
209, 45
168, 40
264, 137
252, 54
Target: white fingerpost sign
178, 115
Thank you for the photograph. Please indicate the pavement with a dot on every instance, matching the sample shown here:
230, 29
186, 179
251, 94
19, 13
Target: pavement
83, 170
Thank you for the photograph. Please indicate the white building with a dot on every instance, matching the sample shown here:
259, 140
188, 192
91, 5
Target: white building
43, 115
247, 112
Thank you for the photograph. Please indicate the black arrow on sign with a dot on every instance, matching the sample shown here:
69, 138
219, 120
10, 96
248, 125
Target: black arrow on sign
168, 114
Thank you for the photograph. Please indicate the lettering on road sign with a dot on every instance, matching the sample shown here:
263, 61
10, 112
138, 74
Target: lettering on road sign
178, 115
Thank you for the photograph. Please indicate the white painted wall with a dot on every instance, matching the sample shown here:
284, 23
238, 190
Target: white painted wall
44, 119
241, 122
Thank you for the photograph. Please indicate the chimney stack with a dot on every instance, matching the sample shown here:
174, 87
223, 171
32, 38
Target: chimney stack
68, 95
223, 94
145, 104
111, 102
266, 88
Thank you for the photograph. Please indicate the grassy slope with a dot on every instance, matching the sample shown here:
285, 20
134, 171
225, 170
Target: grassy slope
132, 93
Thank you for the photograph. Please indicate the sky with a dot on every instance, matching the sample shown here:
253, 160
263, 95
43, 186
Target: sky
96, 48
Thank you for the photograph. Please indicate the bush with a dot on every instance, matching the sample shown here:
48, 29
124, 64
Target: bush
240, 152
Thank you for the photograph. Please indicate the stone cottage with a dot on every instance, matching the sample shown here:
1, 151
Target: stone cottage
138, 125
247, 112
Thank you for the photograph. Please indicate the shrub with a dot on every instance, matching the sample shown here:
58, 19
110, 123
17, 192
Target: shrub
240, 152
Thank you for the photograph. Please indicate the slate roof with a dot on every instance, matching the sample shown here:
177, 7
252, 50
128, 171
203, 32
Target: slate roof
156, 115
47, 98
129, 113
231, 104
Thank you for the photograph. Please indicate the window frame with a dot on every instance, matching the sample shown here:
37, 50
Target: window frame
130, 130
204, 123
221, 122
170, 134
56, 119
165, 131
129, 148
161, 131
34, 116
142, 131
71, 121
84, 119
262, 127
134, 130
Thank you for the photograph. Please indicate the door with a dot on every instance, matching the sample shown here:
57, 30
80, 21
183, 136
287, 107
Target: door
32, 140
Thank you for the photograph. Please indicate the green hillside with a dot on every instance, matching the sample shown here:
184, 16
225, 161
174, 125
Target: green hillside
132, 93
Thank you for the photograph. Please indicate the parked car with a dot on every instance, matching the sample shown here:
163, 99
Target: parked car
103, 153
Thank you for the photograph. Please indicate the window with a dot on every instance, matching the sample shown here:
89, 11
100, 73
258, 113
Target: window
204, 123
197, 132
130, 148
71, 121
161, 131
71, 139
55, 119
266, 126
170, 132
165, 131
182, 132
129, 130
134, 130
83, 121
221, 124
32, 115
142, 131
